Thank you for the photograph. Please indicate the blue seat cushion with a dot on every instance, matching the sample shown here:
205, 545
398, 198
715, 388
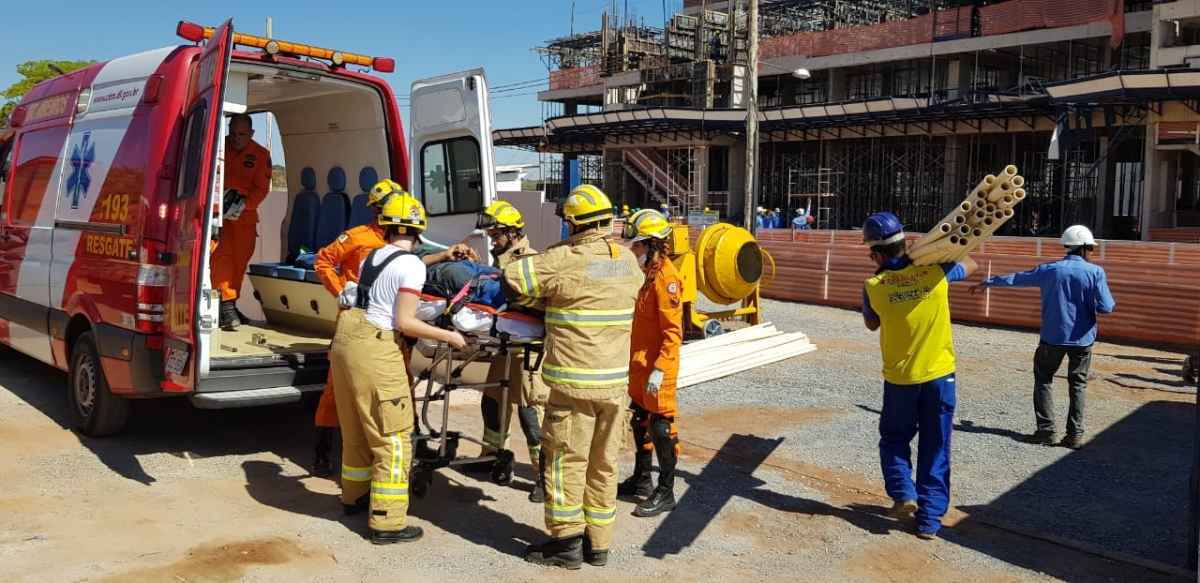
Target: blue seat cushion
302, 231
281, 271
367, 177
335, 211
360, 213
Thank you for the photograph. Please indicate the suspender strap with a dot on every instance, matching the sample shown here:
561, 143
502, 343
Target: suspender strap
370, 273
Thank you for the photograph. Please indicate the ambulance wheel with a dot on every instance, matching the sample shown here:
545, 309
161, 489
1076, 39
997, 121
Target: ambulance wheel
419, 482
713, 328
94, 409
502, 470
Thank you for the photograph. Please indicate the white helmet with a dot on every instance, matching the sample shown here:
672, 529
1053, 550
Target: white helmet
1077, 236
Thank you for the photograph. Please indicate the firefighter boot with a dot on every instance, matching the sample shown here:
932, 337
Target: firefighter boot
663, 498
639, 485
593, 557
322, 463
566, 553
228, 315
405, 535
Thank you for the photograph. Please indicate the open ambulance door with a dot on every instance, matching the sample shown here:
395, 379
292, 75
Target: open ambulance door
453, 161
191, 309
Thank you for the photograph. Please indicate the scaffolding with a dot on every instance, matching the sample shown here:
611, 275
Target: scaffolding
814, 192
784, 17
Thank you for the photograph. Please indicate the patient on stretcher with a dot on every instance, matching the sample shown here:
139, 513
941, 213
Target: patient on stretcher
469, 293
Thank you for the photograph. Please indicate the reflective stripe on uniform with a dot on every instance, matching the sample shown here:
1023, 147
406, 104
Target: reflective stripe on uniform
398, 473
556, 487
528, 282
584, 377
356, 474
389, 490
599, 516
588, 318
556, 513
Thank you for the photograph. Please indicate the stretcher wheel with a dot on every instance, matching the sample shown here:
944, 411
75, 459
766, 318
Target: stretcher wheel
502, 470
419, 481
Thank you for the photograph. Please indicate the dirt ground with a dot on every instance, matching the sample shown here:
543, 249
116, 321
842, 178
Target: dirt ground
188, 495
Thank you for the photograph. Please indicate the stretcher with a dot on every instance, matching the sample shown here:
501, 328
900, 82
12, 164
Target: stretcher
492, 335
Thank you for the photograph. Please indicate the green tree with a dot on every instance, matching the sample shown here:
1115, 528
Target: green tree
32, 73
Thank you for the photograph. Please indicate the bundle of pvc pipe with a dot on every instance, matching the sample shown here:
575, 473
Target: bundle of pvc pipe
738, 351
987, 207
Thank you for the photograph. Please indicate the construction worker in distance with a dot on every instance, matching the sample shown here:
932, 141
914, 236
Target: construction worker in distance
665, 210
654, 366
370, 376
589, 285
1074, 293
624, 211
910, 307
505, 227
336, 265
247, 182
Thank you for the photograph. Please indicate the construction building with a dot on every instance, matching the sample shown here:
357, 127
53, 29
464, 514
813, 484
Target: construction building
902, 105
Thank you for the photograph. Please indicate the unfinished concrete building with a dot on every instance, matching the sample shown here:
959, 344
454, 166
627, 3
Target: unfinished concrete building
908, 103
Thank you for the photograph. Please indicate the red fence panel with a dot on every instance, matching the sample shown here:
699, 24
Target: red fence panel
1154, 283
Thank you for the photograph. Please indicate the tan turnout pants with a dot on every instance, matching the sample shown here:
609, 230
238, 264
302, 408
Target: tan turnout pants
582, 445
374, 409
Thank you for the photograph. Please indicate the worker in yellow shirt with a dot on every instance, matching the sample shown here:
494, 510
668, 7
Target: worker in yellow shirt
589, 285
910, 307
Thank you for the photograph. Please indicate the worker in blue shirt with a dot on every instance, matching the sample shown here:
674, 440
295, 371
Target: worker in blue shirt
800, 223
1074, 292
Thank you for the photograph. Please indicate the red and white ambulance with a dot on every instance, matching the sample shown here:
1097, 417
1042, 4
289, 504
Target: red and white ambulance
111, 179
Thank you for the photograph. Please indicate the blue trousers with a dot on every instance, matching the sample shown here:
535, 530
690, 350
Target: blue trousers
926, 410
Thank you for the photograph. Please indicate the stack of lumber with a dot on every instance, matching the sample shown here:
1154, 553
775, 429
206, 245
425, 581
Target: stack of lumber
988, 206
738, 351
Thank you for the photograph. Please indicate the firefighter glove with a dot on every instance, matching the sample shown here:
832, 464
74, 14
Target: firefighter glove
349, 296
654, 382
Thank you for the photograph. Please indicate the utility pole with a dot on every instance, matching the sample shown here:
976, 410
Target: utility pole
751, 116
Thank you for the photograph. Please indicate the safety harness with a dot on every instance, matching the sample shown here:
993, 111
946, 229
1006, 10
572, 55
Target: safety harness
370, 273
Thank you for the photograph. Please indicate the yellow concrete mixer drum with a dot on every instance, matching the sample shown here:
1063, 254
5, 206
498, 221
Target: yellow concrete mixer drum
729, 263
726, 266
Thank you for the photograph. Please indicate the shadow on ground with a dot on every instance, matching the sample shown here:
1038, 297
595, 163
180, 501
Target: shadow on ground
169, 426
1127, 491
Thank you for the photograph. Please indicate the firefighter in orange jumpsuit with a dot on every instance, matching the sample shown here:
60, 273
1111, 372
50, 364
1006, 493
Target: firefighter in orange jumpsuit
654, 366
247, 181
336, 265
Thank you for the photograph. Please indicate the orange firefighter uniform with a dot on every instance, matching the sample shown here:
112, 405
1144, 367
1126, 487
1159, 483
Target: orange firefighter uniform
248, 172
338, 264
657, 337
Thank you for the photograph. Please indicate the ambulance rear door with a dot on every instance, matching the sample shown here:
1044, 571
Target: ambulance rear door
453, 163
191, 309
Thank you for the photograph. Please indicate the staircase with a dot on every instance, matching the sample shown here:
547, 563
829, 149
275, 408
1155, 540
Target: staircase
664, 186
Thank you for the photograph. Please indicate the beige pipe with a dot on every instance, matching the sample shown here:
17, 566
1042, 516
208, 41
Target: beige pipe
931, 249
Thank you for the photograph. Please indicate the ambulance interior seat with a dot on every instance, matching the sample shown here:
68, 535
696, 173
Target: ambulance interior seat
301, 232
335, 209
360, 213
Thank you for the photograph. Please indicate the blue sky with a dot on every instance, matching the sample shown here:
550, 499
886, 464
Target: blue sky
426, 38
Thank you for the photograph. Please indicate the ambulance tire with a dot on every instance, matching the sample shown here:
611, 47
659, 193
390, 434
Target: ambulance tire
95, 410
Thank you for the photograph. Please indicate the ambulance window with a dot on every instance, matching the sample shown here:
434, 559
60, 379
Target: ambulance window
452, 180
193, 151
38, 155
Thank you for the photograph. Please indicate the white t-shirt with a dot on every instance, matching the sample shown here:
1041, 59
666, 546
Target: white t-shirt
404, 275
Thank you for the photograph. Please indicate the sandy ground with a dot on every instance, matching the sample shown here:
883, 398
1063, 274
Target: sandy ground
771, 487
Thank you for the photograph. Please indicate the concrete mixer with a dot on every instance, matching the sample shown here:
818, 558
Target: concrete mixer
726, 266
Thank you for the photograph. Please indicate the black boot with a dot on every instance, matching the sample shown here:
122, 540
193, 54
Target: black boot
639, 485
566, 553
592, 556
322, 463
662, 500
405, 535
538, 495
228, 315
361, 505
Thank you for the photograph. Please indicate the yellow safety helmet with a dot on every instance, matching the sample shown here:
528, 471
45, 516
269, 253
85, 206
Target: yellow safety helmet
650, 225
585, 205
382, 190
500, 213
630, 229
403, 210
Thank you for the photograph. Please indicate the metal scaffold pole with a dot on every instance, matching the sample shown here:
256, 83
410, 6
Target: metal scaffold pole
751, 118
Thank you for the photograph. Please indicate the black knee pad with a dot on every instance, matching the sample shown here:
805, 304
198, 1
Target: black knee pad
660, 427
490, 408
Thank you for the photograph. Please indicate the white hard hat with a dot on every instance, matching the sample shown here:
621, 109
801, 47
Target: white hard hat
1078, 235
